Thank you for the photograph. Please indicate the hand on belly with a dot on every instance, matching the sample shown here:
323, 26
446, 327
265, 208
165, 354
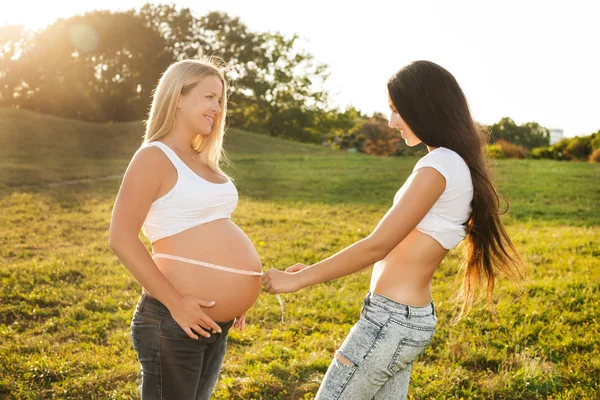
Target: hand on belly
222, 243
233, 293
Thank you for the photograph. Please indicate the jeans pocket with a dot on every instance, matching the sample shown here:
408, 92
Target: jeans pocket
411, 345
171, 331
360, 341
145, 336
375, 316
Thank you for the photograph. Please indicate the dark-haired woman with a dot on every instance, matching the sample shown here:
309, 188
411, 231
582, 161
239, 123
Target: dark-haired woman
448, 198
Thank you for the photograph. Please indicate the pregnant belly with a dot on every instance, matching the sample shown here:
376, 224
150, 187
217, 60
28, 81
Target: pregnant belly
220, 242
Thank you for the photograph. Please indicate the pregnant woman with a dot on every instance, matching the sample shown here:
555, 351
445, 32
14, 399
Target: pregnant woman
204, 272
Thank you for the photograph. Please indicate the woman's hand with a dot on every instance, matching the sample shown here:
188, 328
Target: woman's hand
189, 316
276, 281
240, 322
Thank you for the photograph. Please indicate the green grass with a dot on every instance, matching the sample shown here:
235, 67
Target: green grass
66, 301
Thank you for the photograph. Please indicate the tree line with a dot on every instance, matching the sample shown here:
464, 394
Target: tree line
102, 67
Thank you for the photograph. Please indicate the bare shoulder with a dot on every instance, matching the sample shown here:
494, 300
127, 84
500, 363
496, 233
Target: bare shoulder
430, 179
149, 155
150, 161
138, 190
148, 169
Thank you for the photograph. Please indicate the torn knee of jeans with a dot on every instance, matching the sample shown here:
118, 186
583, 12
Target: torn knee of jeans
342, 359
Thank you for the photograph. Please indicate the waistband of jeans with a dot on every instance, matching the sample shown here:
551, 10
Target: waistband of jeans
151, 304
393, 306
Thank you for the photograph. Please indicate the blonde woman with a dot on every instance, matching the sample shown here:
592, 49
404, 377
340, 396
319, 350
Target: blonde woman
204, 271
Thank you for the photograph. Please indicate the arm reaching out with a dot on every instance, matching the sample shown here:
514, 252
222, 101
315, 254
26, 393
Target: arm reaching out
398, 222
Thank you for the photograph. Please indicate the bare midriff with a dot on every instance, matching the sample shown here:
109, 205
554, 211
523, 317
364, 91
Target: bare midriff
219, 242
405, 274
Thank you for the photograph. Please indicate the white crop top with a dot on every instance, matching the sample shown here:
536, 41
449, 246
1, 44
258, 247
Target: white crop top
445, 221
193, 201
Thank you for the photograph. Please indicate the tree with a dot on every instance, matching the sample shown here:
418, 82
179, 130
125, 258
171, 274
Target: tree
276, 87
14, 40
101, 66
528, 135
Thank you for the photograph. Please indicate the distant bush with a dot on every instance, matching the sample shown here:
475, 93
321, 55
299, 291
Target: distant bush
494, 151
578, 148
507, 149
540, 152
595, 140
595, 156
378, 138
558, 150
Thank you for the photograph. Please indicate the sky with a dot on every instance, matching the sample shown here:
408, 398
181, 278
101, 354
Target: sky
529, 60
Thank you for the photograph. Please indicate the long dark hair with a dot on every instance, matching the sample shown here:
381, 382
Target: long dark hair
430, 101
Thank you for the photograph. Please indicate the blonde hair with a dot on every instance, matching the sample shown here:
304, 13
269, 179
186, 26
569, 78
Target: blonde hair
177, 80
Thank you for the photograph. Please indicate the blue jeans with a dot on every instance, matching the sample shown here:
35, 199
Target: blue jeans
381, 348
174, 366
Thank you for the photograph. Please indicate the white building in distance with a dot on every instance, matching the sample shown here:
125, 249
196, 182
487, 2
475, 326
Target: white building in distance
556, 135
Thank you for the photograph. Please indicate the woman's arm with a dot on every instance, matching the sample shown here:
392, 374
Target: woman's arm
424, 190
139, 188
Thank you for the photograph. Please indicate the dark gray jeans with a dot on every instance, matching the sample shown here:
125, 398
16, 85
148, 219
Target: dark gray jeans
174, 366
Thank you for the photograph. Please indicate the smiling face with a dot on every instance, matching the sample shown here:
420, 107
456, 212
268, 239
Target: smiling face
398, 123
202, 105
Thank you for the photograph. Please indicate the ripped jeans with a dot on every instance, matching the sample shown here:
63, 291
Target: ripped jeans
380, 350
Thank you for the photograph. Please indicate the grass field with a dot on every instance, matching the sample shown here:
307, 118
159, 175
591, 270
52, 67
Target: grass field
66, 301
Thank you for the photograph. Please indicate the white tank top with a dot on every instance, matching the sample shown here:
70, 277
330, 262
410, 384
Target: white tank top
193, 201
445, 221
